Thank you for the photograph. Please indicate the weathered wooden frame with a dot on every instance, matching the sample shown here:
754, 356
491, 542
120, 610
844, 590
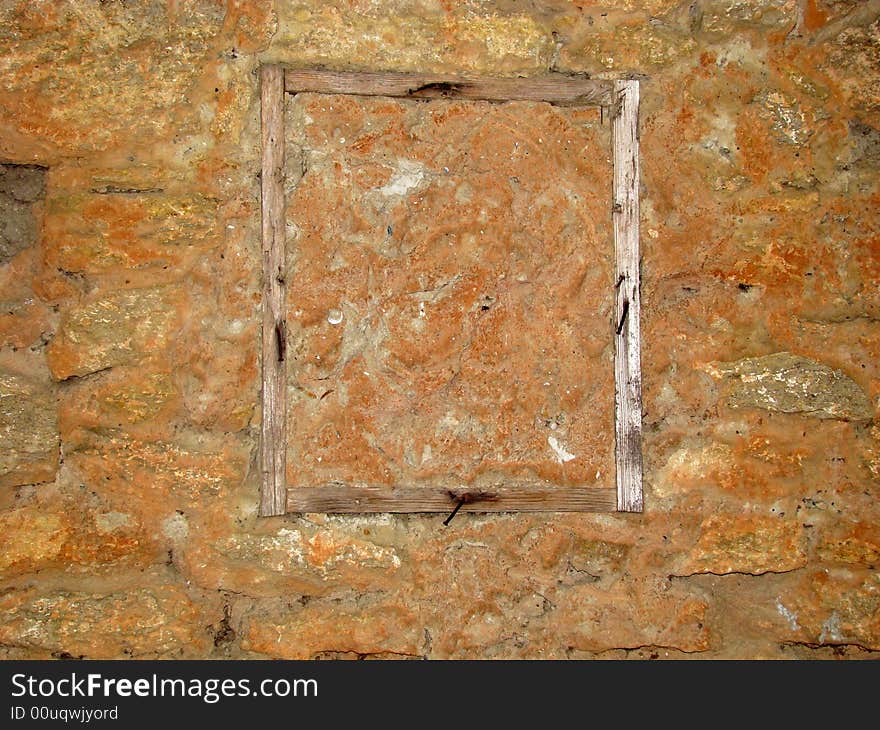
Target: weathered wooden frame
621, 98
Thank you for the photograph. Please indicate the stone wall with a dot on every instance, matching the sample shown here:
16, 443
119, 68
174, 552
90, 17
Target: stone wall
129, 340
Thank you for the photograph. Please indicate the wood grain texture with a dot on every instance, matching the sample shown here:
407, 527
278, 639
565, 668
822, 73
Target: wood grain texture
340, 498
627, 365
273, 446
558, 89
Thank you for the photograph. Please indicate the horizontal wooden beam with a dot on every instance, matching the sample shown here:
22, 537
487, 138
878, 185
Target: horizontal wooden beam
558, 89
343, 498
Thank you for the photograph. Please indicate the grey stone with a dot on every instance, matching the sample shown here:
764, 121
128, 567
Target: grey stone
865, 145
788, 383
20, 187
29, 440
24, 183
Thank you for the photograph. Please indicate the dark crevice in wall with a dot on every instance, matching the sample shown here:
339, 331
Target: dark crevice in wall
20, 187
841, 650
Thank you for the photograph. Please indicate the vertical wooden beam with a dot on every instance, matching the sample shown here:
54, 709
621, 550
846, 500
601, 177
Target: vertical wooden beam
273, 496
627, 366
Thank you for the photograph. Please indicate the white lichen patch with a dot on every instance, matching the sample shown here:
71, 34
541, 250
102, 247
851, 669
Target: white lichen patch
831, 629
108, 522
788, 615
326, 551
562, 455
789, 383
407, 177
175, 527
787, 120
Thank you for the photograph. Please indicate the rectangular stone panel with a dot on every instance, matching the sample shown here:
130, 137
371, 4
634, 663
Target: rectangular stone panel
28, 428
450, 294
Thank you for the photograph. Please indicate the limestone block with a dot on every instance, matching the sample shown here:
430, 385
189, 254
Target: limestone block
787, 383
834, 606
756, 544
157, 621
64, 534
130, 230
29, 441
335, 627
115, 329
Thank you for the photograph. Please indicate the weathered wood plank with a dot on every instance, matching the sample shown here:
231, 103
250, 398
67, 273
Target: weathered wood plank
627, 365
558, 89
623, 98
274, 428
340, 498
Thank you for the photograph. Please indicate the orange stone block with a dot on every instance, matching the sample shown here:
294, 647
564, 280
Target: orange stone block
450, 289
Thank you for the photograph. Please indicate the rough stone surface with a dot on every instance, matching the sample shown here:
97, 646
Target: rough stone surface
130, 332
787, 383
155, 622
114, 330
28, 429
835, 607
450, 322
746, 544
314, 632
20, 187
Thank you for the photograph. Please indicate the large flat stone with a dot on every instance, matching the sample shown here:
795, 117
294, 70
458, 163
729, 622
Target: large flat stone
755, 544
450, 286
470, 37
115, 329
834, 607
114, 228
156, 621
29, 441
95, 72
788, 383
70, 534
336, 627
20, 187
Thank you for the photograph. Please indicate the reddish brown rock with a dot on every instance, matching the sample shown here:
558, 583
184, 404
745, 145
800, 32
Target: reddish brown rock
116, 329
451, 320
746, 544
72, 533
857, 544
93, 74
137, 230
159, 475
34, 536
834, 606
25, 320
625, 620
129, 397
374, 628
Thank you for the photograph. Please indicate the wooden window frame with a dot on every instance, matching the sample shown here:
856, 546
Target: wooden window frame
621, 98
